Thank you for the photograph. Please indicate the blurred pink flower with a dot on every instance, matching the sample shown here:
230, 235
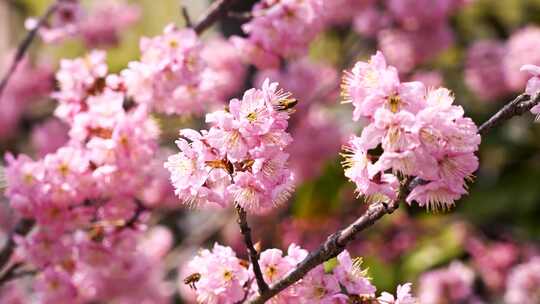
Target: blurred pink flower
523, 283
452, 284
521, 50
47, 137
484, 71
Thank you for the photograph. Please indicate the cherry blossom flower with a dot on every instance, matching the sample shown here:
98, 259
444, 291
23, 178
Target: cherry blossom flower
352, 277
280, 29
420, 132
453, 284
241, 158
484, 73
403, 296
521, 51
523, 283
533, 85
218, 276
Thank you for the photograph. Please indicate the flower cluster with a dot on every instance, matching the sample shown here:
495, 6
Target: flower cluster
412, 131
493, 67
99, 25
28, 83
453, 284
240, 158
178, 75
523, 283
409, 32
284, 29
484, 73
280, 29
521, 51
83, 196
219, 276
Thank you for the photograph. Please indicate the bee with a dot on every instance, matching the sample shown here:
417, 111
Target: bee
245, 165
192, 279
221, 164
97, 233
356, 299
286, 104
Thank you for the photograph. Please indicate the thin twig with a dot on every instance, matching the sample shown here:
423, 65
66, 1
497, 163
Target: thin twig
12, 274
136, 216
25, 45
217, 10
252, 252
337, 242
516, 107
22, 228
185, 14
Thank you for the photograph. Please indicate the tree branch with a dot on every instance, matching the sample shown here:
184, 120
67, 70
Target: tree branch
252, 253
337, 242
22, 228
25, 44
12, 274
217, 10
185, 14
521, 104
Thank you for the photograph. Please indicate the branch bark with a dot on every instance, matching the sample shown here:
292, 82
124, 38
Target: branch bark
25, 45
521, 104
337, 242
217, 10
11, 273
22, 228
252, 252
185, 14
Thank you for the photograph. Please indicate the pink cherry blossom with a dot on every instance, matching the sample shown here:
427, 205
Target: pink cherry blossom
352, 277
99, 24
78, 79
484, 73
225, 72
63, 23
49, 136
403, 296
240, 159
320, 287
452, 284
280, 29
533, 85
105, 20
421, 133
169, 71
220, 274
523, 283
521, 51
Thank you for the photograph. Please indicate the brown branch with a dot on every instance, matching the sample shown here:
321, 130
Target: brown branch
337, 242
185, 14
25, 45
140, 209
516, 107
217, 10
22, 228
12, 274
252, 252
